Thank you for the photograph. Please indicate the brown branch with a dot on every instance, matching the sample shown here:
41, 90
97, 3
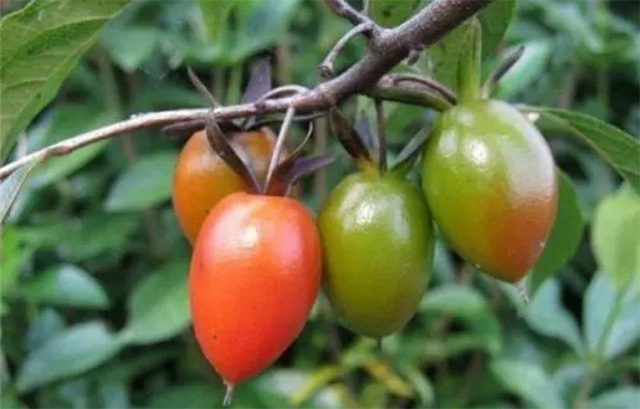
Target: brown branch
391, 47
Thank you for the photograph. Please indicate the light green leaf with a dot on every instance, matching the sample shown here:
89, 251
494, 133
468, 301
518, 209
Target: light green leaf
468, 305
72, 352
617, 147
527, 70
216, 18
528, 381
624, 397
565, 235
144, 184
130, 46
66, 285
11, 186
159, 305
66, 122
48, 325
616, 236
547, 315
41, 43
611, 319
495, 19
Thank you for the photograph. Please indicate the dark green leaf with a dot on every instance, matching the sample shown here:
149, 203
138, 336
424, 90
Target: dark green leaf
565, 235
144, 184
41, 43
216, 18
194, 395
48, 325
443, 56
620, 149
616, 236
159, 305
66, 285
69, 353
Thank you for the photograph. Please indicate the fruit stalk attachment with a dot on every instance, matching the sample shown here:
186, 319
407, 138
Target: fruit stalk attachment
469, 64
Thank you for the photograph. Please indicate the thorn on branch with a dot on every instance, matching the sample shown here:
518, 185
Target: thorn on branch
326, 68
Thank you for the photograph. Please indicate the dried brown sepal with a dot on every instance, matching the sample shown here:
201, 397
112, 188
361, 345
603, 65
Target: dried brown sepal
279, 182
223, 148
503, 67
202, 89
350, 139
259, 84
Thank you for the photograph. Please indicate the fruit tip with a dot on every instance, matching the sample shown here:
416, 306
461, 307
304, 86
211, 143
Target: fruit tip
228, 393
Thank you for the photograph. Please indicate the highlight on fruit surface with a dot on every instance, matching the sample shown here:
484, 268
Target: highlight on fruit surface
377, 239
490, 182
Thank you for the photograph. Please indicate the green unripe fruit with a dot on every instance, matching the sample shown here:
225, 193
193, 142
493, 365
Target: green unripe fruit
378, 245
490, 182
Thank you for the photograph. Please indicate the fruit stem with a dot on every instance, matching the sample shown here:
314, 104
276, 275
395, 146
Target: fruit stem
228, 393
469, 64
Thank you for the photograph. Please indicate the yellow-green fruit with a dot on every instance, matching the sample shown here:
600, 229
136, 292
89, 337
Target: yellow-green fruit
490, 182
377, 242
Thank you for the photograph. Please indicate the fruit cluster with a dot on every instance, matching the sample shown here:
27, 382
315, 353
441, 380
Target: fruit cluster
259, 258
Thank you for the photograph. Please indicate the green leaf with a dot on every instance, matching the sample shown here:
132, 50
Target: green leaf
624, 397
547, 315
528, 381
611, 319
69, 121
468, 305
527, 70
72, 352
48, 324
130, 46
495, 19
144, 184
616, 236
443, 56
159, 305
11, 186
390, 13
617, 147
66, 285
190, 395
565, 235
41, 43
216, 18
92, 235
261, 23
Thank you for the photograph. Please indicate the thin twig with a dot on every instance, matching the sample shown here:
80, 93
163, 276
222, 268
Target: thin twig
393, 45
502, 68
343, 9
326, 68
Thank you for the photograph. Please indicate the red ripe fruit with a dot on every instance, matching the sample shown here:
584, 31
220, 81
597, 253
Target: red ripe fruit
254, 277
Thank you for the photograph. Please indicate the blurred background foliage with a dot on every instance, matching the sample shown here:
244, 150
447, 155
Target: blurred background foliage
93, 265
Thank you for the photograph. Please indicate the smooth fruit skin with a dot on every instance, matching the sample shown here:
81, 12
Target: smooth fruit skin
490, 181
255, 274
202, 178
377, 246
